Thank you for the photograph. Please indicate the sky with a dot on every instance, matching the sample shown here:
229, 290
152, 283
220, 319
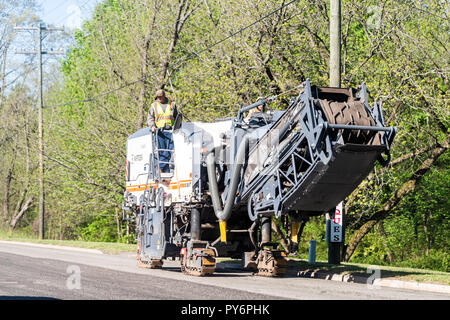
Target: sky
59, 13
67, 13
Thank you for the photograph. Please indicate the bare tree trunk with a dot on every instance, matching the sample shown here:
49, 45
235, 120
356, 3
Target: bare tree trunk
20, 203
279, 235
394, 162
6, 194
390, 257
302, 226
19, 215
60, 227
3, 74
128, 228
183, 14
425, 218
145, 64
116, 214
284, 241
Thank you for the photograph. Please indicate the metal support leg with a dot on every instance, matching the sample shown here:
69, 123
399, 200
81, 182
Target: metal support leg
197, 258
266, 230
269, 262
195, 224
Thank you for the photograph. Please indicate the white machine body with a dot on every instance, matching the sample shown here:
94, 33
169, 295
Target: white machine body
178, 186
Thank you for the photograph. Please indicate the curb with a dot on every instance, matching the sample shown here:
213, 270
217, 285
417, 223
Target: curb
53, 246
392, 283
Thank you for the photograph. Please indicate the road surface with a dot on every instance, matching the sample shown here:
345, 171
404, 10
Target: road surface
45, 272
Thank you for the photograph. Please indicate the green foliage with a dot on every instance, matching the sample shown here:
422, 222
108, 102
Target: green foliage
418, 235
102, 228
370, 250
314, 230
434, 260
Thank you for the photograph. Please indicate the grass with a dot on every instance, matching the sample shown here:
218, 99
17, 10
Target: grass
399, 273
105, 247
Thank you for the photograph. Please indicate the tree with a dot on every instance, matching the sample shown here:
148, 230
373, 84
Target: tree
17, 124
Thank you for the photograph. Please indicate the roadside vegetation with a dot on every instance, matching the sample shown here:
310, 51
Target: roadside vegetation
99, 94
105, 247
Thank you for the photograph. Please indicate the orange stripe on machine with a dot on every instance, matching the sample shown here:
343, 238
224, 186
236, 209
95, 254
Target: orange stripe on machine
172, 186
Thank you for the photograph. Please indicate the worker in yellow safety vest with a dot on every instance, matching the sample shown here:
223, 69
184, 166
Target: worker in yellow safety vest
258, 109
162, 115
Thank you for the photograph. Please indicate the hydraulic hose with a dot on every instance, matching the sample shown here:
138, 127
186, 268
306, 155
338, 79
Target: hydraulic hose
225, 213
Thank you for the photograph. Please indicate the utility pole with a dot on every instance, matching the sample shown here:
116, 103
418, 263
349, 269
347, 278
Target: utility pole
335, 43
334, 248
42, 27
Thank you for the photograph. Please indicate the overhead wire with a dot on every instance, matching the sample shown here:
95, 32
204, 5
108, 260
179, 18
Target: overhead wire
71, 13
176, 65
55, 8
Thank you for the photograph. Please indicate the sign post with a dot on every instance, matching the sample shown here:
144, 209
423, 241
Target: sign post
335, 234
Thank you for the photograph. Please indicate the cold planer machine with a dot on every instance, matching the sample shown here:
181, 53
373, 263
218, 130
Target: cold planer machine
229, 178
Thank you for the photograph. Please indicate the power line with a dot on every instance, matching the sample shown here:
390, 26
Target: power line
239, 31
177, 65
57, 7
71, 13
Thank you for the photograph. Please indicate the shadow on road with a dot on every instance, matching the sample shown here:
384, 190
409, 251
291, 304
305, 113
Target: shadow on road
300, 268
354, 272
232, 269
26, 298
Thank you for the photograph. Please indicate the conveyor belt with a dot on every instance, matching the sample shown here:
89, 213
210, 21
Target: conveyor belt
332, 144
327, 185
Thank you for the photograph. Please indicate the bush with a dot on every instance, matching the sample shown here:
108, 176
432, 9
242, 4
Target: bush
102, 229
435, 260
370, 250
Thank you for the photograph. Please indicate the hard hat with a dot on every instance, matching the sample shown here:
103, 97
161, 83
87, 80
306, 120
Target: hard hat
160, 93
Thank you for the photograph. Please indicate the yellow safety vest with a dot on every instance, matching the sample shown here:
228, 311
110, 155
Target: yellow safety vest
163, 117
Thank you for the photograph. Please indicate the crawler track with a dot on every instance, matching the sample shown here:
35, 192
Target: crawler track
271, 263
201, 263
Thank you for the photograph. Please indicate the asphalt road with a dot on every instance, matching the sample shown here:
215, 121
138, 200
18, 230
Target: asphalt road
44, 272
27, 277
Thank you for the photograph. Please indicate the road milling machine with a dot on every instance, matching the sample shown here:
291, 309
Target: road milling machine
230, 178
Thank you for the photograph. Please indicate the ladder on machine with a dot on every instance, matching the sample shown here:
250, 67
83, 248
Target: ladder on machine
155, 161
